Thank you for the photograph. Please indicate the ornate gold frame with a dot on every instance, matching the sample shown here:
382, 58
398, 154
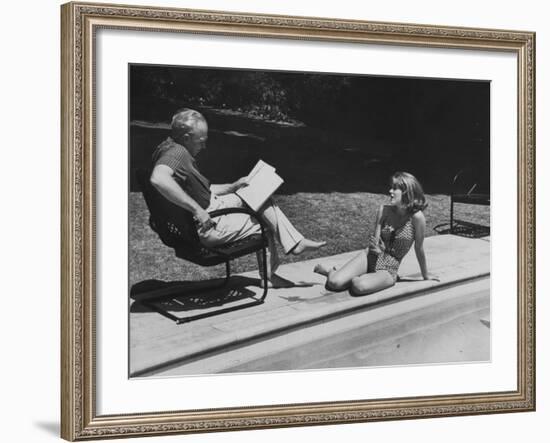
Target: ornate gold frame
79, 23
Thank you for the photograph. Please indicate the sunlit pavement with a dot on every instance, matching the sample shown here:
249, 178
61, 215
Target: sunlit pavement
158, 343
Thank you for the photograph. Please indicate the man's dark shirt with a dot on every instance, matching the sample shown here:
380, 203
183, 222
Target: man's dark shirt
186, 174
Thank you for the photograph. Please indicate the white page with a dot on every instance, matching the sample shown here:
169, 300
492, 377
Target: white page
261, 186
259, 166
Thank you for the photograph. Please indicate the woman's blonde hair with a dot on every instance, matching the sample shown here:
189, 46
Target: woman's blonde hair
413, 195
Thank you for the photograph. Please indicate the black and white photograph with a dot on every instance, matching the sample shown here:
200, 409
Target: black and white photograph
283, 221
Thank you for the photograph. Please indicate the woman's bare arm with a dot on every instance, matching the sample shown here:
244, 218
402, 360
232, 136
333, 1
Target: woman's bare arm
419, 223
374, 243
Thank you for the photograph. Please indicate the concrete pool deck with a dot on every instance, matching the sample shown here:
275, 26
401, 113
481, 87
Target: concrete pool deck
157, 342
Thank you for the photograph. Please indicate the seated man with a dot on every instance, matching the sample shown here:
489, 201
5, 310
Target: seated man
176, 177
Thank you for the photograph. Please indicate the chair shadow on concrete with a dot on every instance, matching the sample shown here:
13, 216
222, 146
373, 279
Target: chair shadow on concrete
194, 297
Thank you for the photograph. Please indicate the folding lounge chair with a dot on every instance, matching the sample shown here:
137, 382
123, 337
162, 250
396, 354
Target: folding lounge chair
176, 228
467, 189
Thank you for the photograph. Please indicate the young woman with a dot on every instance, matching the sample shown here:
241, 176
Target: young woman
398, 225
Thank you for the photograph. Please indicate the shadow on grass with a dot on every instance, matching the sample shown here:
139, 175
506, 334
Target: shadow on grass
181, 296
336, 161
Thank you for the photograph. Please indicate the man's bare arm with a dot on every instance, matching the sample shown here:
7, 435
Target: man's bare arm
162, 179
229, 188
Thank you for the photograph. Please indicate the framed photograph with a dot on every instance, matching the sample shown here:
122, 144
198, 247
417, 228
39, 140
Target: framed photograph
277, 221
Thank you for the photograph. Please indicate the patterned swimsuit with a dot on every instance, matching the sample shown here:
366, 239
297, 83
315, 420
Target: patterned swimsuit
394, 243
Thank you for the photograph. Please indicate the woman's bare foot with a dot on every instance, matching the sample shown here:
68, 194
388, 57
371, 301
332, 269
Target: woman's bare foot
323, 269
307, 245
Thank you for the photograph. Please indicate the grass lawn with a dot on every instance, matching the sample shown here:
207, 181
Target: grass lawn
344, 220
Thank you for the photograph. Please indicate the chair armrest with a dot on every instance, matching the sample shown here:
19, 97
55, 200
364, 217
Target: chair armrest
453, 184
458, 174
226, 211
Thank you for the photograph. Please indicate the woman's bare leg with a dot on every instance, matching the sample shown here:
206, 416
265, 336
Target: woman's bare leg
323, 269
373, 282
340, 279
